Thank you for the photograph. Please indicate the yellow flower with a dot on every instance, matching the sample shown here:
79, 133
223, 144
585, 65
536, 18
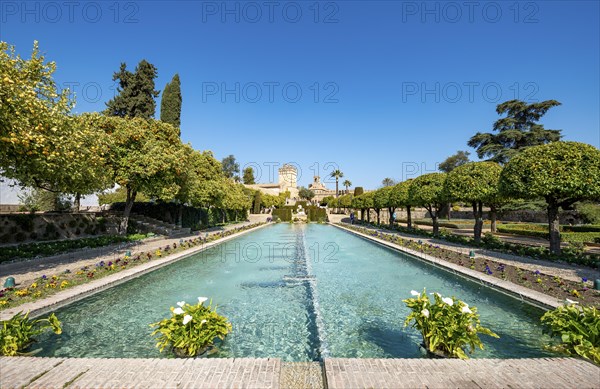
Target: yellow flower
64, 284
34, 285
3, 302
158, 253
22, 292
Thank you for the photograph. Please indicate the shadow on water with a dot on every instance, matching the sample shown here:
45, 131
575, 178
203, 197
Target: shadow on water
395, 342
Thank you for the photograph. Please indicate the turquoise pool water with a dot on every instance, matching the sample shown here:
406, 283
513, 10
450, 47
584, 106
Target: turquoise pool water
296, 292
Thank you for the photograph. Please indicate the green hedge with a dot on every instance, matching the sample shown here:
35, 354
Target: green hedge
316, 214
582, 237
282, 214
584, 228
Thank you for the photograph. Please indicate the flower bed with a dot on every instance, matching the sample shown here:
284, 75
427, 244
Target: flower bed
50, 284
536, 280
573, 254
32, 250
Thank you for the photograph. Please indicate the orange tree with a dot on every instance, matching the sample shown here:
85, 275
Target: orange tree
476, 183
562, 173
42, 145
428, 191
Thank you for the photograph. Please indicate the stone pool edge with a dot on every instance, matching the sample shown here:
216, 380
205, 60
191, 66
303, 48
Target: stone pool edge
513, 290
79, 292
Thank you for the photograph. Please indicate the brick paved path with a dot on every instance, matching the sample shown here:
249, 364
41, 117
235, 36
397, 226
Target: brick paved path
31, 372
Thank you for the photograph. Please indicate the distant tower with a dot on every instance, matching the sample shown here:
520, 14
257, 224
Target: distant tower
287, 177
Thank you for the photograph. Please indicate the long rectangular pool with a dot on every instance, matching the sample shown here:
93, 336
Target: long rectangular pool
295, 292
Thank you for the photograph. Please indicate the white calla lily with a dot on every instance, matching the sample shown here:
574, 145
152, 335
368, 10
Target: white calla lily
202, 299
414, 293
448, 301
425, 312
466, 309
181, 303
178, 311
187, 319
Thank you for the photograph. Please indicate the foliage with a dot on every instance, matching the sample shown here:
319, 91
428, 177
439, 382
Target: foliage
191, 328
327, 200
248, 176
517, 131
388, 182
337, 174
41, 145
358, 191
306, 193
454, 161
18, 332
135, 94
283, 214
347, 184
448, 325
119, 195
170, 103
316, 214
476, 183
578, 329
560, 172
39, 199
344, 201
230, 166
428, 191
589, 212
381, 197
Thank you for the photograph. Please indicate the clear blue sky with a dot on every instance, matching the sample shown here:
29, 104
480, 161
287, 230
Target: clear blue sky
401, 85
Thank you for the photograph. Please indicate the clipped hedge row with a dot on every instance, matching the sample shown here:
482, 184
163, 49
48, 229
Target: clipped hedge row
282, 214
572, 237
316, 214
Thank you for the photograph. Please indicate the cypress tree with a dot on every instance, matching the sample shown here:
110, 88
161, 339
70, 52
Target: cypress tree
136, 92
170, 104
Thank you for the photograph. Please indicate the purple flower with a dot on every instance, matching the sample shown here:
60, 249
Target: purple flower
537, 272
44, 277
584, 279
110, 263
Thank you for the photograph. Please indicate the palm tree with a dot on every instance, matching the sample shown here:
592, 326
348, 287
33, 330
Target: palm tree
388, 182
347, 184
337, 174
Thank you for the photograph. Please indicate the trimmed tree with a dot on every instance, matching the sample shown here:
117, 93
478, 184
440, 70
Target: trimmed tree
381, 199
428, 191
170, 103
476, 183
401, 197
561, 172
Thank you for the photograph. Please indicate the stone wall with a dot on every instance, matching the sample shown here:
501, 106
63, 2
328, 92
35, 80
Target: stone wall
26, 227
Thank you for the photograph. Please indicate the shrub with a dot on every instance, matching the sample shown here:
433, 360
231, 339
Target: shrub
72, 223
191, 329
20, 236
589, 212
18, 332
447, 325
283, 214
578, 329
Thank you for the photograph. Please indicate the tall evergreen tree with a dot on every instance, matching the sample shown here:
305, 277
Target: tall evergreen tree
517, 131
136, 92
170, 104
